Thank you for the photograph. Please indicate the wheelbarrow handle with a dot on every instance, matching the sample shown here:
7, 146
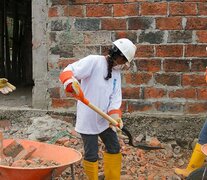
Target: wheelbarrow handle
1, 145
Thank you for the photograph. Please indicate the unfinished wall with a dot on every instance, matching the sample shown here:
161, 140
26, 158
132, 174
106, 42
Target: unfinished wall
40, 54
171, 38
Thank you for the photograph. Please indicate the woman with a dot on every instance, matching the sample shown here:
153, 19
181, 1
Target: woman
100, 78
197, 158
5, 86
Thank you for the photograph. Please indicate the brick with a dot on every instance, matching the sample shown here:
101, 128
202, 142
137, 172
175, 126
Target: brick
85, 2
19, 163
124, 106
57, 25
154, 142
7, 161
201, 36
195, 108
126, 9
54, 92
187, 93
74, 10
87, 24
68, 38
145, 51
176, 65
202, 93
154, 8
25, 153
135, 23
150, 65
169, 107
182, 9
193, 80
59, 2
63, 51
125, 34
169, 23
139, 106
167, 79
169, 51
53, 12
13, 149
113, 24
198, 65
100, 37
130, 93
111, 1
62, 63
62, 140
138, 78
153, 37
196, 23
81, 51
98, 10
5, 124
202, 8
195, 0
179, 37
151, 92
195, 51
63, 103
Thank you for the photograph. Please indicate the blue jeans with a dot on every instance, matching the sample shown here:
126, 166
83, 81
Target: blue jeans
203, 134
90, 142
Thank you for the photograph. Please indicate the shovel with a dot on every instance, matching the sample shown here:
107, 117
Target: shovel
78, 94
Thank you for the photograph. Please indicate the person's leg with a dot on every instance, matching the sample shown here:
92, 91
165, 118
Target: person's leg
112, 156
197, 157
90, 162
203, 135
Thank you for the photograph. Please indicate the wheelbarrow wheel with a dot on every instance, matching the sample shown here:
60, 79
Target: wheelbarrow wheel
198, 174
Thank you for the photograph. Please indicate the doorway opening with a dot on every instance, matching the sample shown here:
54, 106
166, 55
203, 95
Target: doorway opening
16, 49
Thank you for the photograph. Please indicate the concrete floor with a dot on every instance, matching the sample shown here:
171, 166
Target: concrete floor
21, 97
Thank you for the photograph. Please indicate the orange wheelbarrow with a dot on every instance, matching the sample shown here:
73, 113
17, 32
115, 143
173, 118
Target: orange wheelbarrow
64, 156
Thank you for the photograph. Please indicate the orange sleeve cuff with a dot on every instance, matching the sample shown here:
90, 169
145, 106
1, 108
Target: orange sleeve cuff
115, 111
64, 76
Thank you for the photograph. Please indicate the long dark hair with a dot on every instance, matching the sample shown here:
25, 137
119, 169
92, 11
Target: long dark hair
114, 52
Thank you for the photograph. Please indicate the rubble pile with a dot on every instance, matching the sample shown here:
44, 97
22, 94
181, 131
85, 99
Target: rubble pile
15, 155
136, 163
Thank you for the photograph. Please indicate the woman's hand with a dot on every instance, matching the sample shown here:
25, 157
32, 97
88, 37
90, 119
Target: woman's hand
120, 125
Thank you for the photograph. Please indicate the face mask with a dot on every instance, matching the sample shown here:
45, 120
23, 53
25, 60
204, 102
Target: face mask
119, 67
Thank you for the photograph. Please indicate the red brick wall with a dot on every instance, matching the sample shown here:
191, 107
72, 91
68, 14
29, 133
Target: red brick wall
171, 38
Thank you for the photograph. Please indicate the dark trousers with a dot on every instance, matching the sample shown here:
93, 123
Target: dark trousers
108, 137
203, 134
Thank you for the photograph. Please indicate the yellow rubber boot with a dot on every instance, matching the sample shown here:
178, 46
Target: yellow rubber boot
196, 161
112, 166
91, 169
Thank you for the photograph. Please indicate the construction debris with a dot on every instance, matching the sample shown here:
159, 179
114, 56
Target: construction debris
136, 163
16, 155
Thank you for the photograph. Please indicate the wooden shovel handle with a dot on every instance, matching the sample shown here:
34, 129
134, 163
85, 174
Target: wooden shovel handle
80, 96
105, 116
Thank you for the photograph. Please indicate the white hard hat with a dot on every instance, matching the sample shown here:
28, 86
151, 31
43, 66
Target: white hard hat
127, 48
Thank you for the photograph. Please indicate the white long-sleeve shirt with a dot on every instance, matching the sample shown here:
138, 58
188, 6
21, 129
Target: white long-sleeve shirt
105, 94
